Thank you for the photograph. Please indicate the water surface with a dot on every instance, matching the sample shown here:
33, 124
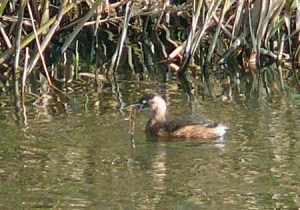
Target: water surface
77, 154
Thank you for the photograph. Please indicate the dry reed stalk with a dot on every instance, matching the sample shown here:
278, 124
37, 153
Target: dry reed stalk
31, 65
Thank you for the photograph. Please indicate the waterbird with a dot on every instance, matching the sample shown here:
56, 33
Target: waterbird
191, 128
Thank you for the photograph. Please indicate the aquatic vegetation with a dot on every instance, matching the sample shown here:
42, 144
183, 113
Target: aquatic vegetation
238, 45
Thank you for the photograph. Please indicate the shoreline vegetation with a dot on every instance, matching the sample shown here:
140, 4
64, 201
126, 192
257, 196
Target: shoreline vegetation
247, 46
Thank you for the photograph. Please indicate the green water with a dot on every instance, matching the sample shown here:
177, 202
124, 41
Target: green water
77, 154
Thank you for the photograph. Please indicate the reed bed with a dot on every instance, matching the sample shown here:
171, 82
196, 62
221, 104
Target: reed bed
43, 39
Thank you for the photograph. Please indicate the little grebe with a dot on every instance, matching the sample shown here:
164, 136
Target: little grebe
159, 126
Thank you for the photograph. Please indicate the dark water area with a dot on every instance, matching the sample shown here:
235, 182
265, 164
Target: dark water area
76, 153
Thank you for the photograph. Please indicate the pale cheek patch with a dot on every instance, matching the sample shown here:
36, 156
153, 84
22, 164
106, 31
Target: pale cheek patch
159, 103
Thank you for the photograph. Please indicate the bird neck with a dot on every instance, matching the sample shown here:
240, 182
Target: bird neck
159, 115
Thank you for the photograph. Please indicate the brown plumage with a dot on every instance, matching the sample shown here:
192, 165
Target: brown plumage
187, 128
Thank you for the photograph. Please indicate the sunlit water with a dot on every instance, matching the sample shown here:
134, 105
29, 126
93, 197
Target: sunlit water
79, 155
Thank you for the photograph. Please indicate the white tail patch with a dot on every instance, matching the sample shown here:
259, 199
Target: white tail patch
221, 129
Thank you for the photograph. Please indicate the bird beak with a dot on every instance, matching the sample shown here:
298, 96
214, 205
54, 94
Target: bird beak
140, 106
